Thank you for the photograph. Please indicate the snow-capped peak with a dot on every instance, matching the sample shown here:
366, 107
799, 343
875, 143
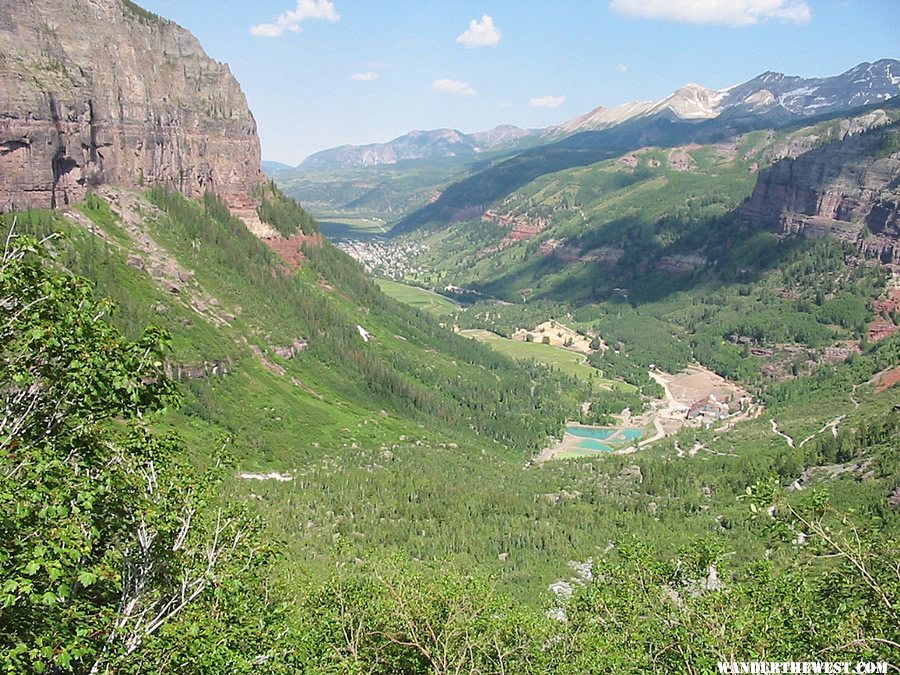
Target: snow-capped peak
692, 101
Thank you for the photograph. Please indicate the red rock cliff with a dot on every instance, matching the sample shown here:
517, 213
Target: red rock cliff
847, 190
99, 91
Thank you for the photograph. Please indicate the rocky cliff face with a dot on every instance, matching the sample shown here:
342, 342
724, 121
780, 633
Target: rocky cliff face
100, 91
849, 190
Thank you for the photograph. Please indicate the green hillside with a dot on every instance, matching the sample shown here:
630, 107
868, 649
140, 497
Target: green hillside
421, 298
218, 458
650, 222
379, 193
413, 530
227, 299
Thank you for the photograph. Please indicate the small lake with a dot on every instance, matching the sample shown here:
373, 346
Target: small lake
588, 439
597, 433
591, 444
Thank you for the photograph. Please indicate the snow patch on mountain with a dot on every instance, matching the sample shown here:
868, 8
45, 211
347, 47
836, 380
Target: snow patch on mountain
776, 94
692, 102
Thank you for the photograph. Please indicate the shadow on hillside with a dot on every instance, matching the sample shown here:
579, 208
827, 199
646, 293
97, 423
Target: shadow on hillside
496, 182
735, 255
738, 247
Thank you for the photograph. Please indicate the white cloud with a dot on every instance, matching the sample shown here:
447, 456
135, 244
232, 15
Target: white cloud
727, 12
290, 21
365, 77
480, 33
622, 68
266, 30
547, 101
452, 87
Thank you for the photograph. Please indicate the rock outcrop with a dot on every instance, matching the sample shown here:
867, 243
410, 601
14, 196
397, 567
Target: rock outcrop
848, 190
97, 92
521, 227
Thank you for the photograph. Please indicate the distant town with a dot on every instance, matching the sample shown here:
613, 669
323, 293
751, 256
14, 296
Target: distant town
391, 260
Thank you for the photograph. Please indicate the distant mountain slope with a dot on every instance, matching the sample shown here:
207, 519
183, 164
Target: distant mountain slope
650, 220
691, 115
425, 145
771, 94
384, 192
270, 168
862, 85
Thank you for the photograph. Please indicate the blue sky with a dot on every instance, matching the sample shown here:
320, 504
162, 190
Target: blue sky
321, 73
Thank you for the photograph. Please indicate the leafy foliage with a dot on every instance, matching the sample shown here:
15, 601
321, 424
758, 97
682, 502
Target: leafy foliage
110, 537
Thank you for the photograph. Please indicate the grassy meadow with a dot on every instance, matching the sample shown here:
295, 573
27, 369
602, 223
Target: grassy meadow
420, 298
565, 361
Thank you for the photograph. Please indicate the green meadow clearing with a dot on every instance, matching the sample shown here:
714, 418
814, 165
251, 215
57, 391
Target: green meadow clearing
420, 298
346, 227
566, 361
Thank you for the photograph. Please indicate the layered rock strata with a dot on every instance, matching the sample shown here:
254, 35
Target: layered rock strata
97, 92
849, 190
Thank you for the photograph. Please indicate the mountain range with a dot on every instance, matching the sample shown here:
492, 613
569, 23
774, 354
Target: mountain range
433, 144
770, 98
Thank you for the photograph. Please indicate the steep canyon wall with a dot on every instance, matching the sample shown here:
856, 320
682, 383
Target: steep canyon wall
100, 91
848, 190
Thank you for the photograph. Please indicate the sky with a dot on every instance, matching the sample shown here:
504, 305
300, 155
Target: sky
323, 73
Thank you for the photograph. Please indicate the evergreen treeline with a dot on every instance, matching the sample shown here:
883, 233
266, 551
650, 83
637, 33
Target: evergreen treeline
284, 214
473, 386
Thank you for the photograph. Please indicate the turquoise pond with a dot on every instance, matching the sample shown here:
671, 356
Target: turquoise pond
591, 444
589, 432
589, 437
